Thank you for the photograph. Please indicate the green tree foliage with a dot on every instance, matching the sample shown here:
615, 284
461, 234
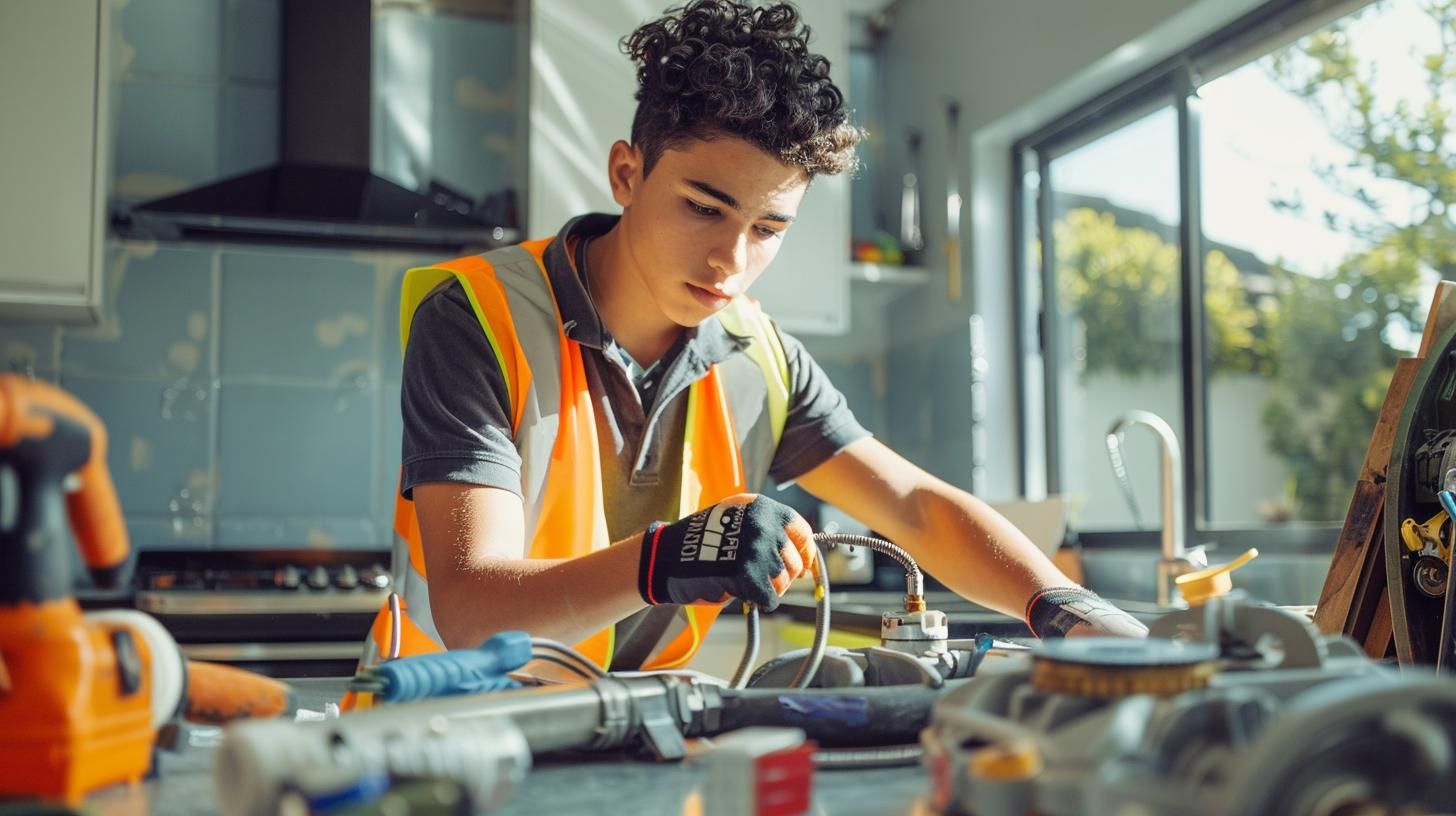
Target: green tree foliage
1331, 368
1326, 343
1122, 284
1333, 335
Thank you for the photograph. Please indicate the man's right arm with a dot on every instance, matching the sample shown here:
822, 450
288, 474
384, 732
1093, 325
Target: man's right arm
481, 581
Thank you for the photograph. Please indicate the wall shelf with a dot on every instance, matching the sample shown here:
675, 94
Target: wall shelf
888, 274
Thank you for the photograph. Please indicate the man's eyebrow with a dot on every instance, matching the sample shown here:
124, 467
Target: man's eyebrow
732, 202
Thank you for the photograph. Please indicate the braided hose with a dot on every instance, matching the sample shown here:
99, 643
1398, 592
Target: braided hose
914, 601
914, 578
750, 651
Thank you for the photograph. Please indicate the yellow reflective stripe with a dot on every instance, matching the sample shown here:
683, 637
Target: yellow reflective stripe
422, 281
479, 282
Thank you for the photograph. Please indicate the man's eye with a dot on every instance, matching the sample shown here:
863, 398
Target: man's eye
766, 232
699, 209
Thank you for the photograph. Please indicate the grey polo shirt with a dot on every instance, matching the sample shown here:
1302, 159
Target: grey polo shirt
456, 407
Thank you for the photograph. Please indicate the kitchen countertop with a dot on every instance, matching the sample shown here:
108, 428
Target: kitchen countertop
609, 784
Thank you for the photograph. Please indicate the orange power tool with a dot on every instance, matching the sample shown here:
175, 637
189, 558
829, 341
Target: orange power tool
82, 695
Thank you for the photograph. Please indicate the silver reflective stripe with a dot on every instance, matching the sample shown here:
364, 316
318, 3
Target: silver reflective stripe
371, 657
411, 586
538, 332
747, 394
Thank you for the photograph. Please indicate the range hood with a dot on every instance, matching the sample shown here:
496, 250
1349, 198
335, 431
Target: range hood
322, 190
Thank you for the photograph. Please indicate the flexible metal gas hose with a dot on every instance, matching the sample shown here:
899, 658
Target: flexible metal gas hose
890, 756
821, 629
914, 578
750, 651
914, 601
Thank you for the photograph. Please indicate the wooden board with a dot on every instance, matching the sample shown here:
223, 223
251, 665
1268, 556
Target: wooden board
1356, 598
1359, 560
1347, 567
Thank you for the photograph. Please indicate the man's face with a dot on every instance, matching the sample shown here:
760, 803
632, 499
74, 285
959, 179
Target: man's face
703, 225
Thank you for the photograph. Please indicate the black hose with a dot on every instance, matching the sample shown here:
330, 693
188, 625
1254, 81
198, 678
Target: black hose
887, 715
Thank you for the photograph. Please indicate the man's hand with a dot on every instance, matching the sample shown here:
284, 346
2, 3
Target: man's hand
746, 546
1074, 611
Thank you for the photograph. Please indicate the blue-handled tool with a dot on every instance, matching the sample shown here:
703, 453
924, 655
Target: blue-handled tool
458, 671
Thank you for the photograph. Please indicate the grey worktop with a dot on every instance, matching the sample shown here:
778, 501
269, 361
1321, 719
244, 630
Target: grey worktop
859, 610
607, 785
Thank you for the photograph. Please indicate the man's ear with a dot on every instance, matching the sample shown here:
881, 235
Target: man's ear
624, 172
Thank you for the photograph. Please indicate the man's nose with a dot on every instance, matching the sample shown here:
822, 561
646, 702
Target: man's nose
729, 256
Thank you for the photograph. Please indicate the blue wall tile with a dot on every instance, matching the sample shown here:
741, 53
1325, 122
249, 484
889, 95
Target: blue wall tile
167, 137
271, 532
30, 348
252, 37
173, 38
310, 316
389, 453
182, 531
159, 447
298, 451
158, 317
249, 128
475, 103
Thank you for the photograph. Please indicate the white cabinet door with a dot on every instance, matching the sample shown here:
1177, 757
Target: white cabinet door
52, 158
582, 89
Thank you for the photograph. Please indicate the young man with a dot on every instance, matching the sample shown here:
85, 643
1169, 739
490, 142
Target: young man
571, 404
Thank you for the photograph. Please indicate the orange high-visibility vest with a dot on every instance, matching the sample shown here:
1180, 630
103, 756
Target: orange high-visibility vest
555, 431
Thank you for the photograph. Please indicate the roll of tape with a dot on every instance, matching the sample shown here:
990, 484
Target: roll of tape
168, 670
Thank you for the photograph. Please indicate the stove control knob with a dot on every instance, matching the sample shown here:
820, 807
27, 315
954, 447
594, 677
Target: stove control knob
347, 577
287, 577
375, 576
318, 577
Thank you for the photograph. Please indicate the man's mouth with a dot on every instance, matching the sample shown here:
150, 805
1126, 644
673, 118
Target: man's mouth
707, 297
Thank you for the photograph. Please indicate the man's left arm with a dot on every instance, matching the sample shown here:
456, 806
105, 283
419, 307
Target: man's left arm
961, 541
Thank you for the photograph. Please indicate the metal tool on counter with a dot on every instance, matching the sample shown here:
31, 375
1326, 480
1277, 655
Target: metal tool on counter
83, 696
487, 741
1230, 709
403, 734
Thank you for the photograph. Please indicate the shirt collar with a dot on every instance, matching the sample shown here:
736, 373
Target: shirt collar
710, 342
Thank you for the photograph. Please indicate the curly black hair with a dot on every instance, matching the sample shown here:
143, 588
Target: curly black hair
722, 66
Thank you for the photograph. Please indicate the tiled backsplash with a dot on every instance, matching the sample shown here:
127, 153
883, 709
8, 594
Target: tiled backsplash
196, 92
251, 394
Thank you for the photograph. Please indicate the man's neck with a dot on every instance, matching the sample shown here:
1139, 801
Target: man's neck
620, 297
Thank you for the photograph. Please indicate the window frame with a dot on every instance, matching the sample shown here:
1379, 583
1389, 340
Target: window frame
1173, 81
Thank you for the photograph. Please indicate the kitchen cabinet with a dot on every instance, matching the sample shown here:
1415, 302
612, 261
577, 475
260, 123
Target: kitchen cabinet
582, 89
53, 96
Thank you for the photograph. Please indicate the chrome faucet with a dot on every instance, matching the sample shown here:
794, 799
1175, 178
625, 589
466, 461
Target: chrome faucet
1176, 559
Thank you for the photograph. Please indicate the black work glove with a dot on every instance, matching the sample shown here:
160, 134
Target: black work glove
1062, 611
746, 546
